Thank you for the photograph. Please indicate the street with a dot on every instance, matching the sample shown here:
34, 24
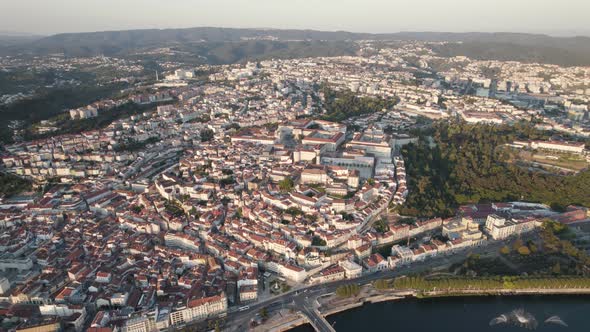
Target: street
304, 297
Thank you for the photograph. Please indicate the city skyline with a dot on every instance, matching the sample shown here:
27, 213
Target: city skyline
373, 16
264, 165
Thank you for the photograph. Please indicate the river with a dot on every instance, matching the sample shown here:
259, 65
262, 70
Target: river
462, 314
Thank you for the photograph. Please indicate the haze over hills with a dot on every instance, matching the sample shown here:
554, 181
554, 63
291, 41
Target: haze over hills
222, 45
13, 38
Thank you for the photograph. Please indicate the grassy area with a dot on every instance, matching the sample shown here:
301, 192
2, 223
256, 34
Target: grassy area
573, 162
490, 283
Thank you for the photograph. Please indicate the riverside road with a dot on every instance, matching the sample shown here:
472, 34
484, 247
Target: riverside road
305, 297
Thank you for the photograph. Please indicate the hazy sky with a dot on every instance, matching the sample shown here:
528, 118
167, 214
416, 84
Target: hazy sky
563, 17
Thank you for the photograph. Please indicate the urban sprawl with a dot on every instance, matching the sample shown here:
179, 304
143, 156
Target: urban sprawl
238, 189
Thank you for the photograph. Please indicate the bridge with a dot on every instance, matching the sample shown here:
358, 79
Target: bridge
308, 306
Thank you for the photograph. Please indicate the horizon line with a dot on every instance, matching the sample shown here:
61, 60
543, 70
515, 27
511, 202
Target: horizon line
562, 33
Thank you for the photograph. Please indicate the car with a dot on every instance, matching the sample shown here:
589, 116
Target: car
244, 308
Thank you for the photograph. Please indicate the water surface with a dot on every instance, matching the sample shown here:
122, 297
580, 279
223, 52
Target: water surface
462, 314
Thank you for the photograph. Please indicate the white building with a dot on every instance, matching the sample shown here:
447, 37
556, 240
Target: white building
501, 228
314, 176
139, 324
248, 293
199, 309
351, 269
4, 285
559, 146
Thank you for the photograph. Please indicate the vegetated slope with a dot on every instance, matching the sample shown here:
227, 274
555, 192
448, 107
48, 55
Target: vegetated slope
563, 56
235, 52
468, 166
128, 41
500, 46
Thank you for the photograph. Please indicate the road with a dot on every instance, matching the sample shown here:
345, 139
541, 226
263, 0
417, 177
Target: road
304, 297
307, 303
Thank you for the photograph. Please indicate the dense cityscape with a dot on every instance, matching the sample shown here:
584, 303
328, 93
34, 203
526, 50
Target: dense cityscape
263, 194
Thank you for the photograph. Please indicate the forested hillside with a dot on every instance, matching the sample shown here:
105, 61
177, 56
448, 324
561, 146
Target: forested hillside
467, 166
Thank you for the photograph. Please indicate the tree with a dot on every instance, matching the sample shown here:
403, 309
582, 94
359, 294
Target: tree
294, 211
533, 247
263, 313
524, 250
505, 250
137, 208
381, 226
285, 288
342, 105
347, 216
227, 181
556, 269
233, 125
313, 218
12, 184
348, 290
207, 135
286, 184
554, 226
318, 241
382, 284
470, 164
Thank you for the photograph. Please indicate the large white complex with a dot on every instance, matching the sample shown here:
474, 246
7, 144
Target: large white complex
501, 228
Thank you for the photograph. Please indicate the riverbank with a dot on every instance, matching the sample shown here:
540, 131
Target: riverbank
463, 314
504, 292
341, 305
284, 320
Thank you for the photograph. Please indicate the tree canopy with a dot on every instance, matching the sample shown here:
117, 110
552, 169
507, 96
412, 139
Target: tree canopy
467, 165
12, 184
342, 105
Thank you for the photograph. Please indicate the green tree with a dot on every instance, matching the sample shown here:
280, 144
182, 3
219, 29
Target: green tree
318, 241
286, 184
381, 226
263, 313
524, 250
207, 135
533, 247
517, 244
11, 184
294, 211
349, 290
505, 250
382, 284
471, 164
342, 105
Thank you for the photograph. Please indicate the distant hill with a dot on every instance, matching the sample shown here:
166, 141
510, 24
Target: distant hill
128, 41
12, 39
566, 51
